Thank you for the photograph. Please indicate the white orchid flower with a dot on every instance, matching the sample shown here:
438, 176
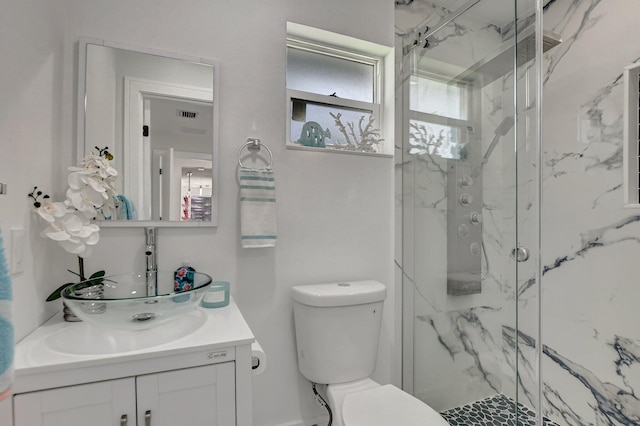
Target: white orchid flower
73, 232
91, 188
50, 210
85, 200
96, 164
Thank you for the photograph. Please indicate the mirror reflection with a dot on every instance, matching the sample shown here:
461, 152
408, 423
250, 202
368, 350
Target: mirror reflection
156, 114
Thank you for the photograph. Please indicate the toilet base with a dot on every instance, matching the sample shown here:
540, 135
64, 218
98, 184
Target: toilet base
336, 394
367, 403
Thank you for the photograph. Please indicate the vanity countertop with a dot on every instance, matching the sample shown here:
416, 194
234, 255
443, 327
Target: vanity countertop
60, 353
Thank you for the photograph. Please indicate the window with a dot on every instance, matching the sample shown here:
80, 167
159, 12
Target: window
632, 136
439, 116
334, 96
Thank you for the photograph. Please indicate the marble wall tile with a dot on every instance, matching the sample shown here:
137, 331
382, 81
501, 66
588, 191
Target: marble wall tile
591, 348
590, 241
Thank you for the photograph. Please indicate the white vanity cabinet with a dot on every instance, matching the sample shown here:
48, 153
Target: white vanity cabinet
98, 404
200, 378
200, 396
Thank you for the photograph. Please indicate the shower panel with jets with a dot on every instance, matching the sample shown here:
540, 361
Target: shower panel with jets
471, 79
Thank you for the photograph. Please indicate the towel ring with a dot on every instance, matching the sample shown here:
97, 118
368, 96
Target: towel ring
254, 144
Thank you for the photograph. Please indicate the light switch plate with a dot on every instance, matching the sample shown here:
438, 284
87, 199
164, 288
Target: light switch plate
16, 265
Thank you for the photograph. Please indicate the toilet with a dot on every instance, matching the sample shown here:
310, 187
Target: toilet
337, 331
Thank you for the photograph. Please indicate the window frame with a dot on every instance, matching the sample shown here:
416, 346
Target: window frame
465, 126
466, 98
376, 107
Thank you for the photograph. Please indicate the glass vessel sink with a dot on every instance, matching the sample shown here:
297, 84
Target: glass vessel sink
122, 301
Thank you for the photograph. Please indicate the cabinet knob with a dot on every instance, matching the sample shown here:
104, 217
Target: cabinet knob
147, 418
124, 420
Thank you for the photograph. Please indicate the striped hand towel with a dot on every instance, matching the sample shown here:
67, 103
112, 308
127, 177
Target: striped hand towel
6, 328
257, 207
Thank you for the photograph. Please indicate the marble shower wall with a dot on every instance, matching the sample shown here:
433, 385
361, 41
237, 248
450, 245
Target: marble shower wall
590, 242
462, 348
591, 338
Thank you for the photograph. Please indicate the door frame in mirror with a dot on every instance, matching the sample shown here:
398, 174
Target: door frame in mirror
81, 124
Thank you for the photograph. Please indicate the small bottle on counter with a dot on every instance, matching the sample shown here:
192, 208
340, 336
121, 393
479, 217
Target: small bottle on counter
217, 296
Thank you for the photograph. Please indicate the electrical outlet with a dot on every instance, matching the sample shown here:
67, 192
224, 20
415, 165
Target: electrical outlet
17, 250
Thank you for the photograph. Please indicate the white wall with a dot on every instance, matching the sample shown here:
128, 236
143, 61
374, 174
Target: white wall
31, 83
30, 116
334, 210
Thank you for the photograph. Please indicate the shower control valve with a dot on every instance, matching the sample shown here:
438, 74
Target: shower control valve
475, 249
465, 199
463, 231
475, 218
465, 181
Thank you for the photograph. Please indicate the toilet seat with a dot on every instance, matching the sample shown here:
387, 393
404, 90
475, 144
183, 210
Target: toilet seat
387, 405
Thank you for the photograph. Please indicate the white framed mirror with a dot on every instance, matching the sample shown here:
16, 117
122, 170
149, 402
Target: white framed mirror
158, 114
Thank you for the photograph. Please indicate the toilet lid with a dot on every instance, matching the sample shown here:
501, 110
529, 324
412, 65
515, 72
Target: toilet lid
387, 405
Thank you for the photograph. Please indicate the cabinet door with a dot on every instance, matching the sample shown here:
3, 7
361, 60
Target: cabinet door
200, 396
95, 404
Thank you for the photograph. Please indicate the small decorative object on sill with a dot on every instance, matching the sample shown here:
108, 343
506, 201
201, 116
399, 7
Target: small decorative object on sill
90, 195
367, 140
313, 135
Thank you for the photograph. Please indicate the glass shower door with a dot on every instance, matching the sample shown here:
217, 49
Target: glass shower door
470, 211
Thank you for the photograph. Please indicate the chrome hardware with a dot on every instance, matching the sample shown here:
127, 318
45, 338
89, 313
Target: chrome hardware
520, 254
475, 249
152, 262
254, 144
123, 420
3, 189
465, 199
465, 181
147, 418
475, 218
255, 362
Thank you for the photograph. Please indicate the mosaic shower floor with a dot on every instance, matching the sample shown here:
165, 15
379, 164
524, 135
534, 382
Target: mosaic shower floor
498, 410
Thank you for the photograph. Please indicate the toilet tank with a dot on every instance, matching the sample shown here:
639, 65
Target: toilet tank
337, 329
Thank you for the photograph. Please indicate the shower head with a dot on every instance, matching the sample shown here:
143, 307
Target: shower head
506, 125
527, 46
502, 129
501, 63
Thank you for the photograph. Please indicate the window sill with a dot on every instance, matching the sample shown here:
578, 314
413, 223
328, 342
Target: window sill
291, 145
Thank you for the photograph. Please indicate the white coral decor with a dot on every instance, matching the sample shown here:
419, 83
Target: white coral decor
91, 189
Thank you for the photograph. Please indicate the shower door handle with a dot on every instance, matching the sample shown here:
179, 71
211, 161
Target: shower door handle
520, 254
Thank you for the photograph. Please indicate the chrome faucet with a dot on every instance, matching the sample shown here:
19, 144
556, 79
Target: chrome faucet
152, 262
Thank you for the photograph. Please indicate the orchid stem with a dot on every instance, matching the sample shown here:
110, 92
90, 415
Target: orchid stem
81, 268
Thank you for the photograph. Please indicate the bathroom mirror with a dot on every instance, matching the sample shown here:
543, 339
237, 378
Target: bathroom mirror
157, 113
